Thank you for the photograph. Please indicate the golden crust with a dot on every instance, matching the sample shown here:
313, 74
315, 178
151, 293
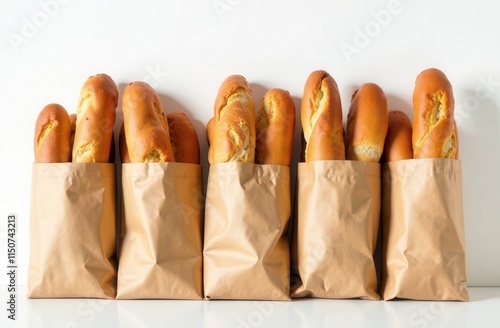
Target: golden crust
95, 120
398, 144
122, 144
434, 127
275, 127
52, 135
183, 138
234, 126
321, 117
72, 124
367, 124
146, 135
210, 135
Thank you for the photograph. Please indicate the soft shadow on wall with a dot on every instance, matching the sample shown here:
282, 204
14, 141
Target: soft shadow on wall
477, 112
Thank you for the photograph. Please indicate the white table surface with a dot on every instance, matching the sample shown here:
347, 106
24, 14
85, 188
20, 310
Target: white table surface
481, 311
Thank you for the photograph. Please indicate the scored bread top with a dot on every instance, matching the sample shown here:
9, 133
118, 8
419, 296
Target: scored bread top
434, 127
146, 130
234, 122
321, 118
52, 135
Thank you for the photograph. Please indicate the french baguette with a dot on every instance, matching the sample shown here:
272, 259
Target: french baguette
95, 120
398, 144
434, 129
275, 127
183, 138
146, 129
234, 122
52, 135
367, 124
321, 117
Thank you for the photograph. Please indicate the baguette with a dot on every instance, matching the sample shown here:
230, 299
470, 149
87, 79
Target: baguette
210, 134
72, 124
367, 124
95, 120
234, 122
183, 138
112, 150
398, 144
321, 117
146, 129
52, 135
303, 145
275, 127
122, 144
455, 132
434, 127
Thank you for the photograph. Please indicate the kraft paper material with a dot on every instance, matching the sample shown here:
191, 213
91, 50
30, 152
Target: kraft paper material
161, 249
335, 231
246, 250
72, 231
423, 231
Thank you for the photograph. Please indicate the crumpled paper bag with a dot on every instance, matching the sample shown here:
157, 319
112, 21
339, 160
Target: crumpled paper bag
161, 249
335, 231
72, 231
423, 230
246, 250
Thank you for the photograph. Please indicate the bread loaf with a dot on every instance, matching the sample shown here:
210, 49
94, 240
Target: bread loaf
367, 124
112, 150
210, 134
275, 127
146, 130
72, 124
122, 144
303, 146
456, 143
321, 117
52, 135
434, 128
183, 138
398, 144
95, 120
234, 122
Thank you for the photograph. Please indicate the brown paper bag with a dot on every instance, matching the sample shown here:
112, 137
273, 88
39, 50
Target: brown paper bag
161, 249
423, 230
246, 251
336, 229
72, 231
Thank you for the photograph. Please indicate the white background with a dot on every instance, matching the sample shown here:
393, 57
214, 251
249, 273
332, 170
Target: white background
184, 49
